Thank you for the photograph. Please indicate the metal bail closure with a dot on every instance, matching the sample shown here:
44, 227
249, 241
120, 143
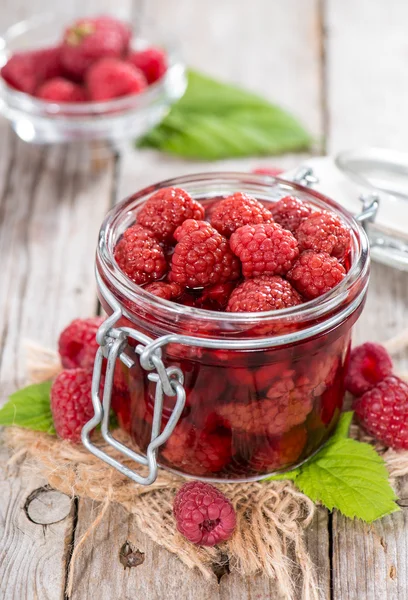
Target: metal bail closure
169, 381
371, 203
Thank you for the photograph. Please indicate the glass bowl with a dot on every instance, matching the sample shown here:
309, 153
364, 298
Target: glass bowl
37, 121
263, 391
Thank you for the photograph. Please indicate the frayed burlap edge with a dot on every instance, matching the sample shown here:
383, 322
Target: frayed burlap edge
271, 516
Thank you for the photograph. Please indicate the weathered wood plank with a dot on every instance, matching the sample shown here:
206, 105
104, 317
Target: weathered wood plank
365, 99
317, 543
372, 561
99, 573
379, 550
33, 554
44, 205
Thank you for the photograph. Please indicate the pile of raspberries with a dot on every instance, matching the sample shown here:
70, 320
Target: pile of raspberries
239, 256
93, 62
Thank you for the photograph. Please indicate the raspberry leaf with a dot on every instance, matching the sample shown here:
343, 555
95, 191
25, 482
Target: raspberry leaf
347, 475
29, 408
350, 476
214, 120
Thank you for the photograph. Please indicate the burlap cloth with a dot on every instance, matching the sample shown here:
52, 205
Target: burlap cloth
271, 515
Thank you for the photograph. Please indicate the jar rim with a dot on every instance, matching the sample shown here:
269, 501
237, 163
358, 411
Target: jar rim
353, 285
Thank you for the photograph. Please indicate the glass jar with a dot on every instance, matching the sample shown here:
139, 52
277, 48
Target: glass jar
215, 395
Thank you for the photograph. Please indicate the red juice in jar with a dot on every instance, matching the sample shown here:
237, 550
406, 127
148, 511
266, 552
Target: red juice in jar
263, 391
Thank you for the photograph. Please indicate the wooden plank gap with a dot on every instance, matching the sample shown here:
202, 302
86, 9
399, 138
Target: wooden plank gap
70, 545
323, 49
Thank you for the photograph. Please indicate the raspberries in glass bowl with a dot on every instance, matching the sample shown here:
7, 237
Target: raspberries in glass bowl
86, 80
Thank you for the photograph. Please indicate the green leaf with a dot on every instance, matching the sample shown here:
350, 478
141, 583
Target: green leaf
347, 475
343, 426
214, 120
29, 408
350, 476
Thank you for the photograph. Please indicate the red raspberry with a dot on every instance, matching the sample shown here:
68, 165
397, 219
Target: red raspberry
61, 90
314, 274
197, 453
162, 289
289, 212
89, 40
369, 364
238, 210
268, 292
258, 379
272, 171
165, 210
71, 403
151, 61
264, 249
202, 256
204, 515
26, 70
113, 78
215, 297
280, 454
285, 407
383, 412
140, 256
324, 232
77, 343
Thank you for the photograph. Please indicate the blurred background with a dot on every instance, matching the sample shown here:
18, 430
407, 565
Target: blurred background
338, 65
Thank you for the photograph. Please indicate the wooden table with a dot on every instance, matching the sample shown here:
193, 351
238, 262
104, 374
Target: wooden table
339, 65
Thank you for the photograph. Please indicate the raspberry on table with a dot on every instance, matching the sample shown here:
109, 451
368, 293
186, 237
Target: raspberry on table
89, 40
202, 256
166, 209
162, 289
197, 453
140, 256
368, 365
267, 292
315, 273
383, 412
203, 514
113, 78
278, 454
60, 89
324, 232
77, 345
71, 403
237, 210
289, 212
151, 61
264, 249
25, 71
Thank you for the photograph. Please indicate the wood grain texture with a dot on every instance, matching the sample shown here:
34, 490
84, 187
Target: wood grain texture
33, 556
99, 572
